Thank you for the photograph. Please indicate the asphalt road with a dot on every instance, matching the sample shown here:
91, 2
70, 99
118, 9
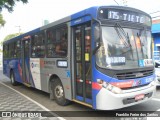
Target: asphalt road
43, 99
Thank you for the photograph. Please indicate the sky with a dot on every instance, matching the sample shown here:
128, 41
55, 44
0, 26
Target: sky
31, 15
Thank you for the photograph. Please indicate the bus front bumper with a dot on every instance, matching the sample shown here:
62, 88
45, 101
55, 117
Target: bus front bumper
107, 100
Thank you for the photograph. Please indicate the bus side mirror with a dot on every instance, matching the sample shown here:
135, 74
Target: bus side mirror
97, 33
96, 38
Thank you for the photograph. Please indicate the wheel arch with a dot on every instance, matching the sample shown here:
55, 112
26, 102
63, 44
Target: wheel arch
53, 78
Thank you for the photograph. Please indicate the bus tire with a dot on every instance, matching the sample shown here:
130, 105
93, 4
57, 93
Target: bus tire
51, 95
12, 77
58, 93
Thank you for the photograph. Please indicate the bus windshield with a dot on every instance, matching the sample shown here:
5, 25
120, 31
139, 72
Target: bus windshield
124, 48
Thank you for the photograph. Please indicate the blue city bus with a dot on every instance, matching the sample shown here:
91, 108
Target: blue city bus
100, 57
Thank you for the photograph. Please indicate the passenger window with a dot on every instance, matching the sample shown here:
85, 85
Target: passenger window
38, 45
5, 51
57, 42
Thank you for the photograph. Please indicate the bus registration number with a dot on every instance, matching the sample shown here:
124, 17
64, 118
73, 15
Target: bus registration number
139, 97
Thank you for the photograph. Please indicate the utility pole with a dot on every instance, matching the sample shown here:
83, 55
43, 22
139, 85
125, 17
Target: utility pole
19, 29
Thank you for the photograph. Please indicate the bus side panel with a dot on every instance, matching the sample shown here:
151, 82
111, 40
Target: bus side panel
95, 86
84, 16
42, 69
14, 65
18, 70
49, 67
5, 66
35, 78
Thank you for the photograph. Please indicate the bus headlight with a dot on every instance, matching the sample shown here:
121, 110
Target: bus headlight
153, 83
109, 87
116, 90
158, 75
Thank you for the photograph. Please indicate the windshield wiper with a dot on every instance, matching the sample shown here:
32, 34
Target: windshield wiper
138, 36
125, 39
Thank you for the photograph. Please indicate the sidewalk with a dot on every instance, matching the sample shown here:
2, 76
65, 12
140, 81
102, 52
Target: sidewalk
12, 100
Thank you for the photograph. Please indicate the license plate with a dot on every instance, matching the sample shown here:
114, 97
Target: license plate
139, 97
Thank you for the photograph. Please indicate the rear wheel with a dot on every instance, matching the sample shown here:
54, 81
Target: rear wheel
58, 93
12, 77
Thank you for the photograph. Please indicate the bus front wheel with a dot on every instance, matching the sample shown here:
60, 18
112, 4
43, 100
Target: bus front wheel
12, 77
58, 93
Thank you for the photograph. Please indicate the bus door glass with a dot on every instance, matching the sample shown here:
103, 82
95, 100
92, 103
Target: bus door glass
25, 61
82, 38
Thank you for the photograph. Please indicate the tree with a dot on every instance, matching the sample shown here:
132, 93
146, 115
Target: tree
8, 4
2, 21
11, 36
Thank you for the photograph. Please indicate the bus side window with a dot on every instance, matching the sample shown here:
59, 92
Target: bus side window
57, 42
61, 38
4, 51
18, 49
11, 50
38, 45
51, 38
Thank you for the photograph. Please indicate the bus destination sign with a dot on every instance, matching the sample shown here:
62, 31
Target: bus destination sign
125, 15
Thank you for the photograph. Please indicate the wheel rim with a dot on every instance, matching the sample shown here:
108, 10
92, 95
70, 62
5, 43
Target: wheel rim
59, 91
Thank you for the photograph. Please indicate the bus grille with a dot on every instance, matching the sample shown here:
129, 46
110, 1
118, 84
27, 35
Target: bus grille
133, 75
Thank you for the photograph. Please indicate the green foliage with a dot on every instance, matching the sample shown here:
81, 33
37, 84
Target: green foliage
2, 21
1, 43
11, 36
9, 4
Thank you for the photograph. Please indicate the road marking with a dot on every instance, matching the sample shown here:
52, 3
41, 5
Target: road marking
156, 99
43, 107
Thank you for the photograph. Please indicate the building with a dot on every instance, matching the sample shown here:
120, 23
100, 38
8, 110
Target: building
156, 34
156, 38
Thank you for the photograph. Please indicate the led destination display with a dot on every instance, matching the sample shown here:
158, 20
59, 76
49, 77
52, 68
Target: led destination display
125, 15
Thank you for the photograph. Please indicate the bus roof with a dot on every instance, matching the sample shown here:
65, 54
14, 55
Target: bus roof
88, 14
21, 36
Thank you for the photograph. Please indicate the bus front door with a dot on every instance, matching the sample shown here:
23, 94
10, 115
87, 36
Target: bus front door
82, 48
25, 62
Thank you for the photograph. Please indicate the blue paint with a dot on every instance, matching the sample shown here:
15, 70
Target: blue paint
12, 64
155, 34
155, 28
141, 63
88, 101
156, 41
84, 16
79, 98
68, 74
